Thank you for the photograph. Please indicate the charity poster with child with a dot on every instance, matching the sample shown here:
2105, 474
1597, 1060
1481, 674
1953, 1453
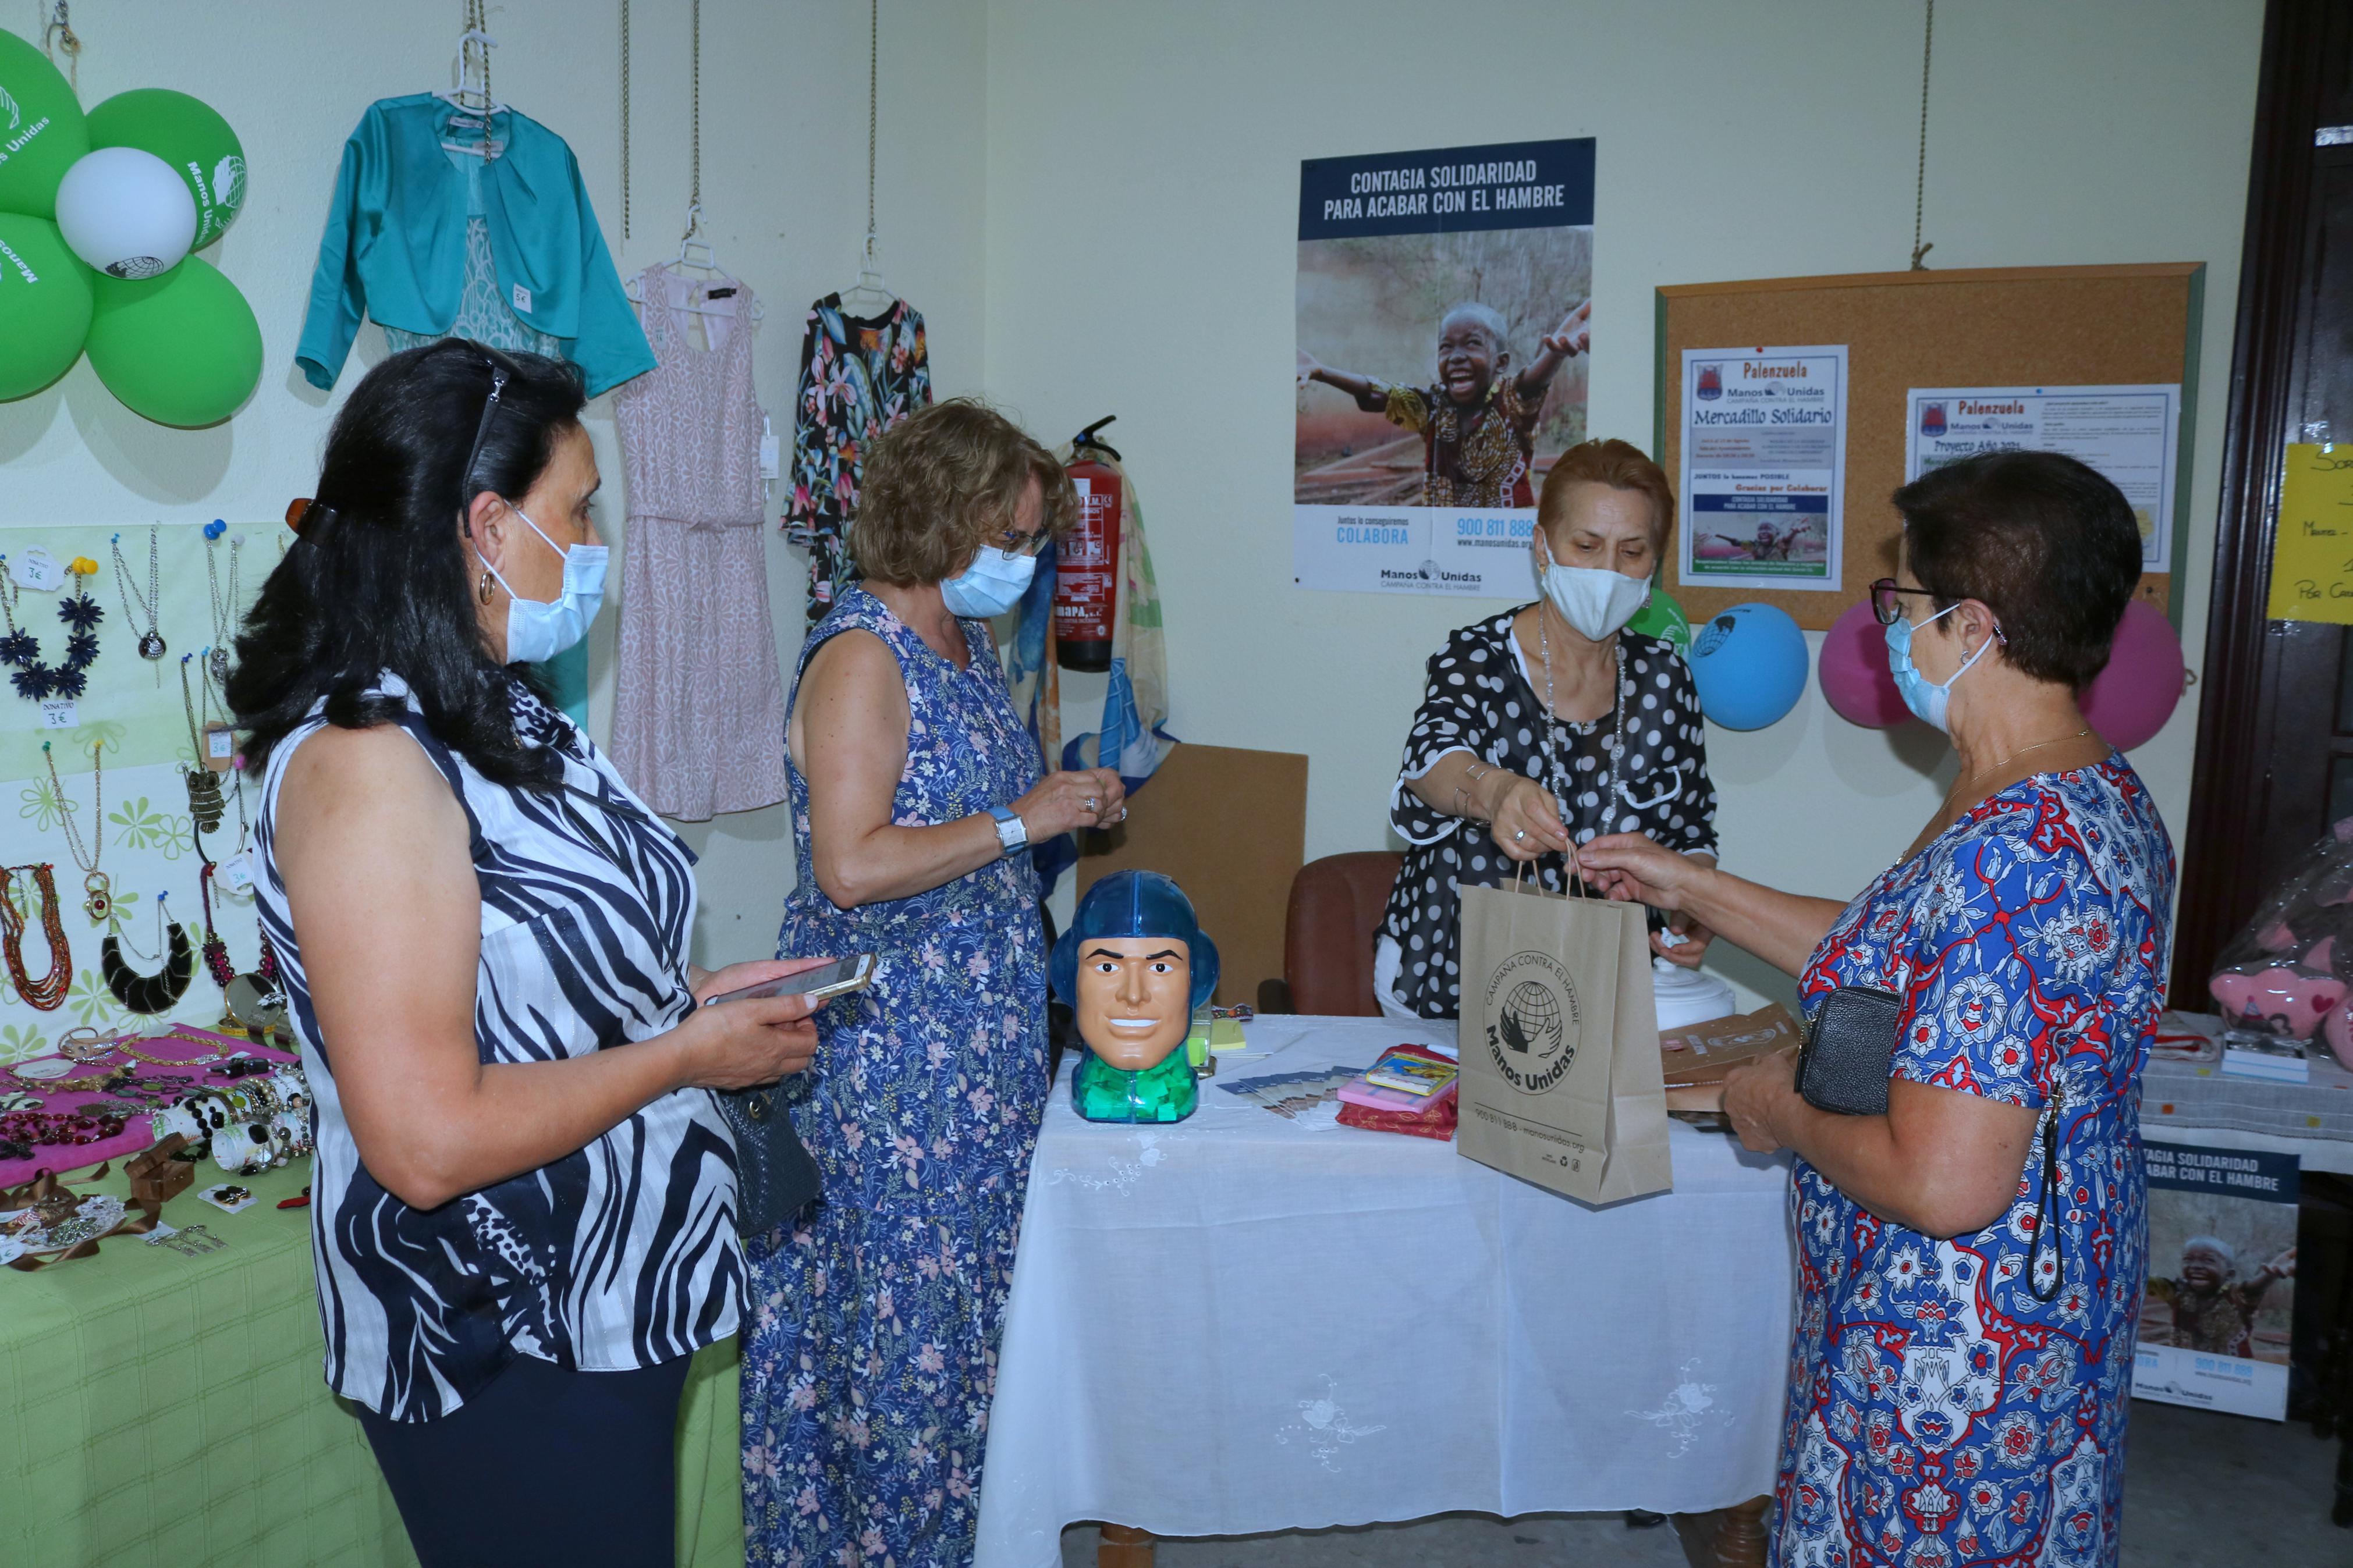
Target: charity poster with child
2219, 1297
1443, 333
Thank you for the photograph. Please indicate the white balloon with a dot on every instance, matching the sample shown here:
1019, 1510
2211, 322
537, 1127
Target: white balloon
126, 211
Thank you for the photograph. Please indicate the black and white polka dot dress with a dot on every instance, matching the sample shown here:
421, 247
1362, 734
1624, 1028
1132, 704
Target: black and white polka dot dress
1483, 697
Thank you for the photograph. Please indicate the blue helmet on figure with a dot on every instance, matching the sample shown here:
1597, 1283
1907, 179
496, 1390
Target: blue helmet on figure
1134, 904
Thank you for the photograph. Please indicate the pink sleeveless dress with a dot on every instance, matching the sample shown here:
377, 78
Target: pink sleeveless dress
699, 714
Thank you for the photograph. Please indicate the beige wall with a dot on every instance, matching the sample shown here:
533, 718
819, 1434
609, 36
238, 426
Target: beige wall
1094, 204
1142, 182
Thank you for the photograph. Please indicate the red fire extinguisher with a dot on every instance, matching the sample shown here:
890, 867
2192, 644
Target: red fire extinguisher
1086, 559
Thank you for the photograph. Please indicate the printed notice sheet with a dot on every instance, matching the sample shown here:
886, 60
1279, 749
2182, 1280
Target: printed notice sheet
1764, 446
2128, 433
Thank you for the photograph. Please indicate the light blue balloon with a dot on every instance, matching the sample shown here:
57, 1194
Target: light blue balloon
1749, 665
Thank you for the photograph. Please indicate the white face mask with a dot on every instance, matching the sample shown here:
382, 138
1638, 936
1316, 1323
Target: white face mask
1596, 602
538, 630
991, 585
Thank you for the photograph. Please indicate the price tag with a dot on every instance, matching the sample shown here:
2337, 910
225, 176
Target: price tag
220, 748
234, 874
770, 455
60, 713
35, 569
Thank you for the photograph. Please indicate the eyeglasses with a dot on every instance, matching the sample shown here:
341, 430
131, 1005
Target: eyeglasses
1885, 602
502, 368
1013, 542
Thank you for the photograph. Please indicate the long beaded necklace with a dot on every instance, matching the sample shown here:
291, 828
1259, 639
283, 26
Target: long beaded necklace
97, 893
36, 679
224, 610
204, 784
151, 641
216, 959
1555, 774
48, 993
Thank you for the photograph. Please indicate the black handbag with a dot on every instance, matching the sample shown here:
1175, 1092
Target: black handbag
1844, 1065
775, 1177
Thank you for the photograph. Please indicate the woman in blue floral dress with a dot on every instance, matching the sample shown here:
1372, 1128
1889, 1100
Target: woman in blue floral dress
870, 1367
1970, 1262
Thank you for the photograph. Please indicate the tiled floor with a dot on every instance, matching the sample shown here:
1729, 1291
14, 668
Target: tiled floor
2201, 1491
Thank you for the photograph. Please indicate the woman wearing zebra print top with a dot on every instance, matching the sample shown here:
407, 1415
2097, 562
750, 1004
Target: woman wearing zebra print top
524, 1208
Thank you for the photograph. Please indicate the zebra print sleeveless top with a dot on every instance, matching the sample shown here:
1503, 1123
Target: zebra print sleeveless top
620, 1255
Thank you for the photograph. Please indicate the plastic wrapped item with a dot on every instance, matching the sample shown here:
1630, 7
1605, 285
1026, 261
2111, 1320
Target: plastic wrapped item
2288, 977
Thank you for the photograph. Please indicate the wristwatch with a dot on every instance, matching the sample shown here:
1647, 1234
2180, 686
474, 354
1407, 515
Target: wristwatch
1011, 833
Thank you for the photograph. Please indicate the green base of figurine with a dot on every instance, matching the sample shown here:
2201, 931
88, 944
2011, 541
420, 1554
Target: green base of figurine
1100, 1092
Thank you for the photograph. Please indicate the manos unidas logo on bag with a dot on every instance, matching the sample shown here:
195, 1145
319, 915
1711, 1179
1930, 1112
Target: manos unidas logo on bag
1533, 1034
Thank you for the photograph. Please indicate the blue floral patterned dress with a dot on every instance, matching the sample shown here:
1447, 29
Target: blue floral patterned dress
1940, 1414
872, 1357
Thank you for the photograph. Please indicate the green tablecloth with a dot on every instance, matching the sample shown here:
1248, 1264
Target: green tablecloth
168, 1409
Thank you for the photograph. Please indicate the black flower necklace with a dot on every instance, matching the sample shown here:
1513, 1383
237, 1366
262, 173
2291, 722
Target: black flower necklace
36, 679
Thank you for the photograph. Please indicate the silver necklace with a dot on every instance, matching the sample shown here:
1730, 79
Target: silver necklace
151, 641
224, 611
1553, 773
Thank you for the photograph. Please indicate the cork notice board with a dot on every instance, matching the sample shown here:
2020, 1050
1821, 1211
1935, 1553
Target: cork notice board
1231, 827
2035, 326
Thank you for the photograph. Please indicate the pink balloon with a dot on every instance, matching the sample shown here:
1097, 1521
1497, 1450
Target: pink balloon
2129, 701
1854, 674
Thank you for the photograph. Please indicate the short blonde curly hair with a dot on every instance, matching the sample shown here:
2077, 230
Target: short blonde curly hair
943, 483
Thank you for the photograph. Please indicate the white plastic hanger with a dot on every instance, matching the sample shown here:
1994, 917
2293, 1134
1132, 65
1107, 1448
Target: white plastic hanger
870, 296
472, 97
695, 252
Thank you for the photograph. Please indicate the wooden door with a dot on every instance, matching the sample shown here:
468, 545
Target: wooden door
2274, 763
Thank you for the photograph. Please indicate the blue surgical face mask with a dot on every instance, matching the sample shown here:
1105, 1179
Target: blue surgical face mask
1928, 701
538, 630
991, 585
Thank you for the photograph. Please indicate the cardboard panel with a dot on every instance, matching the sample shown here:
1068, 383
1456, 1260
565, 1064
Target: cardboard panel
1231, 827
2041, 326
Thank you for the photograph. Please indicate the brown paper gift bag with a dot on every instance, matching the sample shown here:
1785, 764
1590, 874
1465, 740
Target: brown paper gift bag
1561, 1080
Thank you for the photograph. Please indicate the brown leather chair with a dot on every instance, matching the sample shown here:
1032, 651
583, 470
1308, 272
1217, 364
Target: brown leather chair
1327, 935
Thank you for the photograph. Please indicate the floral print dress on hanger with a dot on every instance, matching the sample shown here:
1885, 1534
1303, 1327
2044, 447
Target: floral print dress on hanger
859, 376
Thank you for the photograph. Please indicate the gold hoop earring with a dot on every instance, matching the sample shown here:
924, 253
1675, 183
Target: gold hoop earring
483, 588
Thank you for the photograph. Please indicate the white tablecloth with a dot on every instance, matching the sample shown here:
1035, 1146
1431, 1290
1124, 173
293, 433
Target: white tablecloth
1239, 1324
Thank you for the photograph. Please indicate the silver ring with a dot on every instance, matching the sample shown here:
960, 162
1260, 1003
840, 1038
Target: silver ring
1519, 834
1093, 805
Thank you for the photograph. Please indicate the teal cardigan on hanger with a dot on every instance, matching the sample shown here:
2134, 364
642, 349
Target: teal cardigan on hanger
395, 244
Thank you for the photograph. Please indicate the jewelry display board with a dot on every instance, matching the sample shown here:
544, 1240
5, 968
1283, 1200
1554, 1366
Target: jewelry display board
133, 811
1988, 327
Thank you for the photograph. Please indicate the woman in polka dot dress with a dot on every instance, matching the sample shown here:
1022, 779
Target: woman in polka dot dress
1546, 725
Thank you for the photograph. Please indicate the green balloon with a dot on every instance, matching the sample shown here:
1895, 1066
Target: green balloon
41, 128
188, 134
44, 305
1662, 618
181, 349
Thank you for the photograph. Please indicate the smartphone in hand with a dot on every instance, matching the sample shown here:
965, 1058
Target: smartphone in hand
820, 985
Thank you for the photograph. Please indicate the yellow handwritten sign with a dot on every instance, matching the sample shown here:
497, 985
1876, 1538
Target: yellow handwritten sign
2312, 554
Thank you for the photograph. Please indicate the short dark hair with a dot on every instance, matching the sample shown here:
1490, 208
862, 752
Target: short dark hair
378, 579
945, 481
2047, 542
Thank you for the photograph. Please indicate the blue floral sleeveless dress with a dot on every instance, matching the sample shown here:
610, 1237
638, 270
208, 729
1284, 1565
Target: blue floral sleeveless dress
871, 1362
1959, 1401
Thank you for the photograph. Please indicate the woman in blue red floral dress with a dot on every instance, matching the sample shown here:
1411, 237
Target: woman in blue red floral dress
873, 1356
1970, 1262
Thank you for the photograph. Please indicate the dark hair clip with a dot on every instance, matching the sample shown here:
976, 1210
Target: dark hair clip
302, 512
